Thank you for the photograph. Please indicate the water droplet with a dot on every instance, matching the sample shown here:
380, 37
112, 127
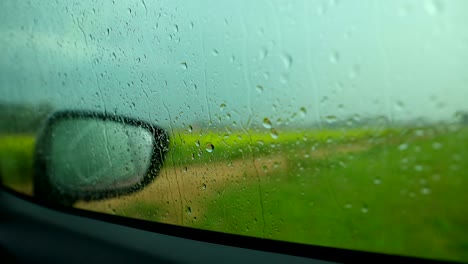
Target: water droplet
274, 133
284, 78
348, 206
190, 128
425, 191
434, 7
353, 73
215, 52
399, 106
287, 60
334, 57
189, 210
176, 28
377, 181
262, 53
259, 88
436, 145
108, 31
184, 65
267, 123
204, 186
303, 111
209, 147
197, 143
418, 167
330, 119
222, 106
403, 147
419, 133
364, 209
265, 168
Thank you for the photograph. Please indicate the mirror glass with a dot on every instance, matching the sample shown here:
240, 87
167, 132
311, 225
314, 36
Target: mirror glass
98, 155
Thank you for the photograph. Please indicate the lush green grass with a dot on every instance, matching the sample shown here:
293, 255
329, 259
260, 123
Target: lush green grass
390, 190
405, 195
16, 150
189, 148
16, 159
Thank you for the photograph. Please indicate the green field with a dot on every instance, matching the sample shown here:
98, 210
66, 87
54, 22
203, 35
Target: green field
407, 198
399, 190
16, 161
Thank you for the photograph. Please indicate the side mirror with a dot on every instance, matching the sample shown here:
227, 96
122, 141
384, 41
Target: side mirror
92, 156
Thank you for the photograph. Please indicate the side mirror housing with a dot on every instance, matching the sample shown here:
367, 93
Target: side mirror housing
82, 155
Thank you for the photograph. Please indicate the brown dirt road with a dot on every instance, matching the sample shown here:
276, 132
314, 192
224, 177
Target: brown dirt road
177, 188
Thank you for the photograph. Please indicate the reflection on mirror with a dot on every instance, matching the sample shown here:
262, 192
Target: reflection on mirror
98, 155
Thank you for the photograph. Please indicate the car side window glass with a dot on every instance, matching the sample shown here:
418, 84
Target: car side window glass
334, 123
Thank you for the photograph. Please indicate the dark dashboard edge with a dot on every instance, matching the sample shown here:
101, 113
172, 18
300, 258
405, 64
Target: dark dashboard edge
267, 245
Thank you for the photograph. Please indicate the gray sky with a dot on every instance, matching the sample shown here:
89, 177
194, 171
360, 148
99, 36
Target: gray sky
234, 61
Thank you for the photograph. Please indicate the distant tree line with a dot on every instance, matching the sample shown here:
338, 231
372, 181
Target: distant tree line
22, 118
463, 117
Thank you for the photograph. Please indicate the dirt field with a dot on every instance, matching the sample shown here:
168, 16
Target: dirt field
179, 188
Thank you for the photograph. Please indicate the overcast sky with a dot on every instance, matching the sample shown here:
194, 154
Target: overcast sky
235, 61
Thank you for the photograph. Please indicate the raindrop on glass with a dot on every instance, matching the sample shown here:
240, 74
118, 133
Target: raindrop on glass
403, 147
262, 53
274, 133
222, 106
303, 111
259, 88
436, 145
330, 119
287, 60
209, 147
434, 7
266, 123
334, 57
425, 191
364, 209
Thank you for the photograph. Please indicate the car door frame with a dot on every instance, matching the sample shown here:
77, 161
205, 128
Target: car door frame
32, 231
